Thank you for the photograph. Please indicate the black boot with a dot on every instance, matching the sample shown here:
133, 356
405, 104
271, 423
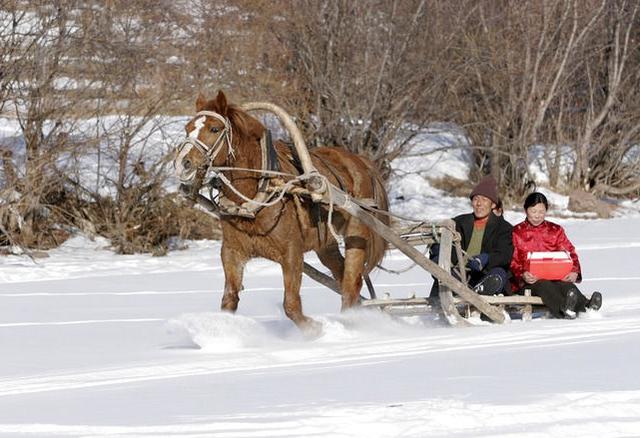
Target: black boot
569, 308
489, 285
595, 302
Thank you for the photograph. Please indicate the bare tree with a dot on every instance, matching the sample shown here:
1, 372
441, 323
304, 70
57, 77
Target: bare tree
11, 44
609, 126
139, 85
544, 74
90, 81
110, 62
43, 96
363, 70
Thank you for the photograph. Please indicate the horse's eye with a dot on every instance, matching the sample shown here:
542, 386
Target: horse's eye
214, 129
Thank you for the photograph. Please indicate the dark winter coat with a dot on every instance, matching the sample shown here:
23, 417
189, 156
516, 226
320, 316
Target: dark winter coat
547, 236
496, 241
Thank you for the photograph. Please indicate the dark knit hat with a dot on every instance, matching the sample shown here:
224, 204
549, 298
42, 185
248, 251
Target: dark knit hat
487, 187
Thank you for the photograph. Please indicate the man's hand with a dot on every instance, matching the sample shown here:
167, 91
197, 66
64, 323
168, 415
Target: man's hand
571, 277
478, 262
529, 278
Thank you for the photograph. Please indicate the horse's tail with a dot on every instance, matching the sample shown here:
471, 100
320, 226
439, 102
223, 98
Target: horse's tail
377, 245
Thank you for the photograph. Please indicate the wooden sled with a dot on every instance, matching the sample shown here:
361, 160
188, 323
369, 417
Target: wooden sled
459, 309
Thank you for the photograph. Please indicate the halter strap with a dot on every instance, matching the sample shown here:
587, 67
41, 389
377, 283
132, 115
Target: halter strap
227, 133
209, 152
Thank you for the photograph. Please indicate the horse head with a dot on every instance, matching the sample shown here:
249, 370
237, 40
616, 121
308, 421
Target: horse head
210, 138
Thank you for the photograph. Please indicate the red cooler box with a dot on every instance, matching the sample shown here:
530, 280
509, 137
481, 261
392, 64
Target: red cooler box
550, 265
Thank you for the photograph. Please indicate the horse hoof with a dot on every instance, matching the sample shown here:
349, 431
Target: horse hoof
311, 329
348, 305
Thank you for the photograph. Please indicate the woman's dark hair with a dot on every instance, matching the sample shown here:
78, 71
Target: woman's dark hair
498, 210
536, 198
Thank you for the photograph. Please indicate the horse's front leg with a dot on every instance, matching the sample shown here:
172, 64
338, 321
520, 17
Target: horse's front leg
292, 268
233, 264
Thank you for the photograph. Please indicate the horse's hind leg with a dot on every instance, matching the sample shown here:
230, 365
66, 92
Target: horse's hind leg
233, 264
355, 256
331, 258
292, 275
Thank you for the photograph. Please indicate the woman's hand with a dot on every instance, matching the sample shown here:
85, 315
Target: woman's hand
571, 277
529, 278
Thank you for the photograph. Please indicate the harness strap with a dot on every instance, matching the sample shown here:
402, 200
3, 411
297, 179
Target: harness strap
270, 164
333, 172
273, 163
227, 134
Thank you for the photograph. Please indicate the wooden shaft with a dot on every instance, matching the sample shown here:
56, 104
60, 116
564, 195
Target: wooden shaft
461, 264
294, 132
321, 278
447, 304
324, 279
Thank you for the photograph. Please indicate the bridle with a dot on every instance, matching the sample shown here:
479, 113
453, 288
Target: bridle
222, 205
209, 152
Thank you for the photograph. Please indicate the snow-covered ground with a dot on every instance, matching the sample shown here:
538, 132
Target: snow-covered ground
93, 344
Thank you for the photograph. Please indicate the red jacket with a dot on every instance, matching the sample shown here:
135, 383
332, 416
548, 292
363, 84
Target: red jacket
545, 237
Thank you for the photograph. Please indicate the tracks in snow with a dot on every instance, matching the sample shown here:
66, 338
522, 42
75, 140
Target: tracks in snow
359, 350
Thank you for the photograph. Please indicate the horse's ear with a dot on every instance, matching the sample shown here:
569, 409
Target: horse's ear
201, 101
221, 102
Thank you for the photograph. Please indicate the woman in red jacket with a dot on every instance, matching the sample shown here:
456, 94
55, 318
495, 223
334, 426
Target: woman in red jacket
534, 234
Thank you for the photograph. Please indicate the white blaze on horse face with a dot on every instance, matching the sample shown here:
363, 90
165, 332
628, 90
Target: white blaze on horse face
185, 175
199, 124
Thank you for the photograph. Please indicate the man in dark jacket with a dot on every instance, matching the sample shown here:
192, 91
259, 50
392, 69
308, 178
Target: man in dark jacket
486, 240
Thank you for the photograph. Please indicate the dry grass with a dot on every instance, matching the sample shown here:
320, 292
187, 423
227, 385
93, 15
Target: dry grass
453, 186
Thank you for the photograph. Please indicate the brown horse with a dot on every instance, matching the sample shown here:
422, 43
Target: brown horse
222, 135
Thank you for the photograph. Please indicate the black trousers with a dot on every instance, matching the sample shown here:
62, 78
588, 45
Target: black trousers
554, 295
475, 278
